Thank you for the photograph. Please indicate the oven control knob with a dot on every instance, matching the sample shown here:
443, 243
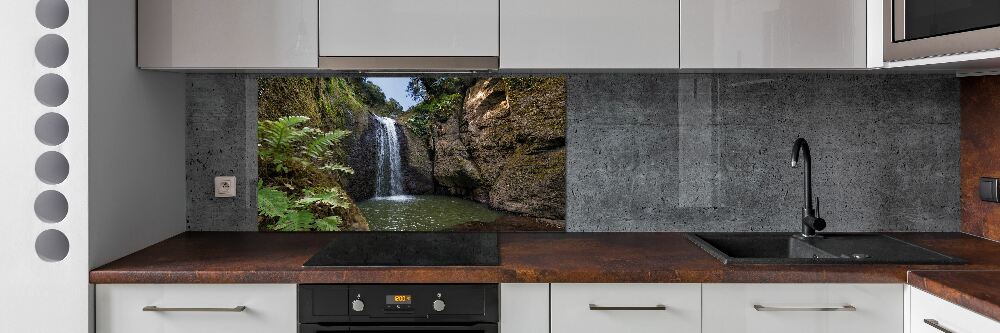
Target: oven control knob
438, 305
358, 305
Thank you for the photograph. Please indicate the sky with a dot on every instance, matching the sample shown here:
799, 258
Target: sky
395, 88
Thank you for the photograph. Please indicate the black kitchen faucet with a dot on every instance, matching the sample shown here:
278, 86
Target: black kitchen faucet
810, 221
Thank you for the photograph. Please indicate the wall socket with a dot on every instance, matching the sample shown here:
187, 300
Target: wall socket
988, 189
225, 187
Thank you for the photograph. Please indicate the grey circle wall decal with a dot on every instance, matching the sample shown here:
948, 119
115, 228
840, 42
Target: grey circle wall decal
52, 13
52, 167
52, 245
51, 129
51, 90
51, 206
51, 51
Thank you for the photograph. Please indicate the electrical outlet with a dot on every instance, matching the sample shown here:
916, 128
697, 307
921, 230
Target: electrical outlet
225, 187
988, 189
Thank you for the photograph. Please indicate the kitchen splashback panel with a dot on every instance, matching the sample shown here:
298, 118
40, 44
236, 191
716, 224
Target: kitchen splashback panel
688, 152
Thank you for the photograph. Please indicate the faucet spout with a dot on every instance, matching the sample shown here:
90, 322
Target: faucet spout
810, 222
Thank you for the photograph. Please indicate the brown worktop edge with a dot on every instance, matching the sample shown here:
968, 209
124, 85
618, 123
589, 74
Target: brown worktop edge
952, 294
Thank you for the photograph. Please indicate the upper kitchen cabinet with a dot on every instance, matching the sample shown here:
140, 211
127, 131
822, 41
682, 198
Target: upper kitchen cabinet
589, 34
781, 34
221, 34
409, 35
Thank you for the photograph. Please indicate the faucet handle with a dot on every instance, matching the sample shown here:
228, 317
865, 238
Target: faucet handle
817, 206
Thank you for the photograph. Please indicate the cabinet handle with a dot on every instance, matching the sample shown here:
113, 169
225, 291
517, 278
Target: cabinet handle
159, 309
935, 324
596, 307
759, 307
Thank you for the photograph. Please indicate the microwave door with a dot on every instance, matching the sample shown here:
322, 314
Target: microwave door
916, 29
916, 19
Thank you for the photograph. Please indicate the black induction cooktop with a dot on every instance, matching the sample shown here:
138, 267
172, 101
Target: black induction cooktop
408, 249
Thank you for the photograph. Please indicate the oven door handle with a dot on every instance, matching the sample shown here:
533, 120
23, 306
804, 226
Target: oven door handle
484, 328
315, 328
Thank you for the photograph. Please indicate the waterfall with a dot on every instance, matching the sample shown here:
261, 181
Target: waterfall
389, 177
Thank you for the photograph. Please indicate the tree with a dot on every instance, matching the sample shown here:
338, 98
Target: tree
394, 107
423, 88
369, 93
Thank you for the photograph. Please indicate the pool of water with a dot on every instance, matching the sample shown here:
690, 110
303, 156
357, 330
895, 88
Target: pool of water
423, 212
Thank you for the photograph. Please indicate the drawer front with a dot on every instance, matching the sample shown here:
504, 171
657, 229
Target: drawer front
269, 308
634, 308
946, 315
778, 308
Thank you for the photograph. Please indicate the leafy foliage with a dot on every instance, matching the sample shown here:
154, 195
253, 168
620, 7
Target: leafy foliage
426, 88
295, 220
318, 148
296, 216
332, 197
285, 145
271, 202
329, 223
290, 149
440, 98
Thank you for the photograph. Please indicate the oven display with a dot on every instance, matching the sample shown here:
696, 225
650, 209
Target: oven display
399, 299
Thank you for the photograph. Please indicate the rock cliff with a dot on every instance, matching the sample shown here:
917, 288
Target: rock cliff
362, 147
418, 177
506, 147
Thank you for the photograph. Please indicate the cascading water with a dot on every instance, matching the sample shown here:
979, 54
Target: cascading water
389, 180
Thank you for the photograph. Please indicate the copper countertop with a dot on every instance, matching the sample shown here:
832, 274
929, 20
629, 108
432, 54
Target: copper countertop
251, 257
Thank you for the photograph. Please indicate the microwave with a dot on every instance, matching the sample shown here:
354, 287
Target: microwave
915, 29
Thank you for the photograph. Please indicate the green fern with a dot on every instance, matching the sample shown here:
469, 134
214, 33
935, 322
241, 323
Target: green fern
284, 142
329, 223
295, 216
278, 140
271, 202
319, 146
296, 220
338, 168
332, 197
287, 146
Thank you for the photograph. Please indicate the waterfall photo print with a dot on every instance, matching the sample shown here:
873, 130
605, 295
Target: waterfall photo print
352, 153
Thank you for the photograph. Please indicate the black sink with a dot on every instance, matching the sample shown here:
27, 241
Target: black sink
788, 248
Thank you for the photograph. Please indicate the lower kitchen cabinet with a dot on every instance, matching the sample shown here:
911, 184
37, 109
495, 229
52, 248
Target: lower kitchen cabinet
803, 308
930, 314
634, 308
180, 308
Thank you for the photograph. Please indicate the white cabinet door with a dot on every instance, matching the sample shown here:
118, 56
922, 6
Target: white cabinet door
633, 308
408, 28
524, 308
780, 308
589, 34
270, 308
775, 34
927, 310
227, 34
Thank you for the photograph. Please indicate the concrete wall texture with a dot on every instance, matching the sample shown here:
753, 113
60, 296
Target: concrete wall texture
221, 141
685, 152
713, 152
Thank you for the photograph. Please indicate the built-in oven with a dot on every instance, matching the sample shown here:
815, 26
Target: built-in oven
916, 29
376, 308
